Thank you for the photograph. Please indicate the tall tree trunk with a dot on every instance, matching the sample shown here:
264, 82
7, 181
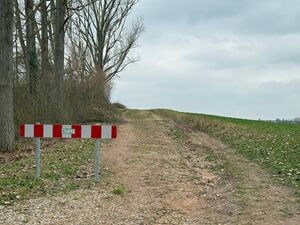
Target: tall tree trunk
19, 32
44, 43
31, 54
51, 28
58, 92
7, 138
45, 74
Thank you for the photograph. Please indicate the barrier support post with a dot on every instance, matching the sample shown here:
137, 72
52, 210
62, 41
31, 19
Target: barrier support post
38, 157
97, 161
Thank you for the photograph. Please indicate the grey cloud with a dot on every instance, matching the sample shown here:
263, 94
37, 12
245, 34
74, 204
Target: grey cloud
248, 17
247, 52
228, 57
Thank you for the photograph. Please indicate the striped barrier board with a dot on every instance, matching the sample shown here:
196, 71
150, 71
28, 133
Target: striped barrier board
97, 132
68, 131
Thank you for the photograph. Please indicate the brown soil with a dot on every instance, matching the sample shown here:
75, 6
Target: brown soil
166, 182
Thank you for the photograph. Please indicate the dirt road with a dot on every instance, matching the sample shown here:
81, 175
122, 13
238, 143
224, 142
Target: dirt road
166, 181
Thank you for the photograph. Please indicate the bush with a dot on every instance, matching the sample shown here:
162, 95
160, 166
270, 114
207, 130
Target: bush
119, 105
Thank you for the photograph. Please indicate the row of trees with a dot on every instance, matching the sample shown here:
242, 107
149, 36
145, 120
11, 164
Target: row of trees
58, 58
295, 121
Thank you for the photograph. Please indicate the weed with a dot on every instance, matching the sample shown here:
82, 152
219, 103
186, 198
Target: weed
177, 134
119, 190
71, 186
210, 156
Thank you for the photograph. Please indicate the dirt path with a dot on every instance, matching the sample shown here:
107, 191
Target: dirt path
165, 182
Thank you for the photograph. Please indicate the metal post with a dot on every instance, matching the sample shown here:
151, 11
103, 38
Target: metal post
38, 157
97, 161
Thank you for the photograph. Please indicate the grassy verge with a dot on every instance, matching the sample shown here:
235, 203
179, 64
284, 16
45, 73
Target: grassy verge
274, 146
216, 162
66, 166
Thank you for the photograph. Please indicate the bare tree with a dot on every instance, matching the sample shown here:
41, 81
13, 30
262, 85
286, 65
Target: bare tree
27, 33
44, 42
46, 70
102, 25
19, 29
59, 50
31, 54
6, 76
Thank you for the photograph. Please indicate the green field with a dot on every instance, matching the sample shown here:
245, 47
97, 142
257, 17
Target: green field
275, 146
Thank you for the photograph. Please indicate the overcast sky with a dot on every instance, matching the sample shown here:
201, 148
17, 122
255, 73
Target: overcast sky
238, 58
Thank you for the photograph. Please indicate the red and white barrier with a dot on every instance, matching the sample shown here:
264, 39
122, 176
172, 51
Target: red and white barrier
68, 131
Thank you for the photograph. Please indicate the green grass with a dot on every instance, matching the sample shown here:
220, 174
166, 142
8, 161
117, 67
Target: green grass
217, 163
119, 190
64, 167
177, 134
274, 146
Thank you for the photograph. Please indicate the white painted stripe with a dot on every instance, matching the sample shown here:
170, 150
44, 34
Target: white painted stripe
65, 131
86, 131
48, 131
106, 132
29, 130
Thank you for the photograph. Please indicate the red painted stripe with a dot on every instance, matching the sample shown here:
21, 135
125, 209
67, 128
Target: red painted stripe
57, 130
22, 130
77, 129
96, 131
38, 130
114, 131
